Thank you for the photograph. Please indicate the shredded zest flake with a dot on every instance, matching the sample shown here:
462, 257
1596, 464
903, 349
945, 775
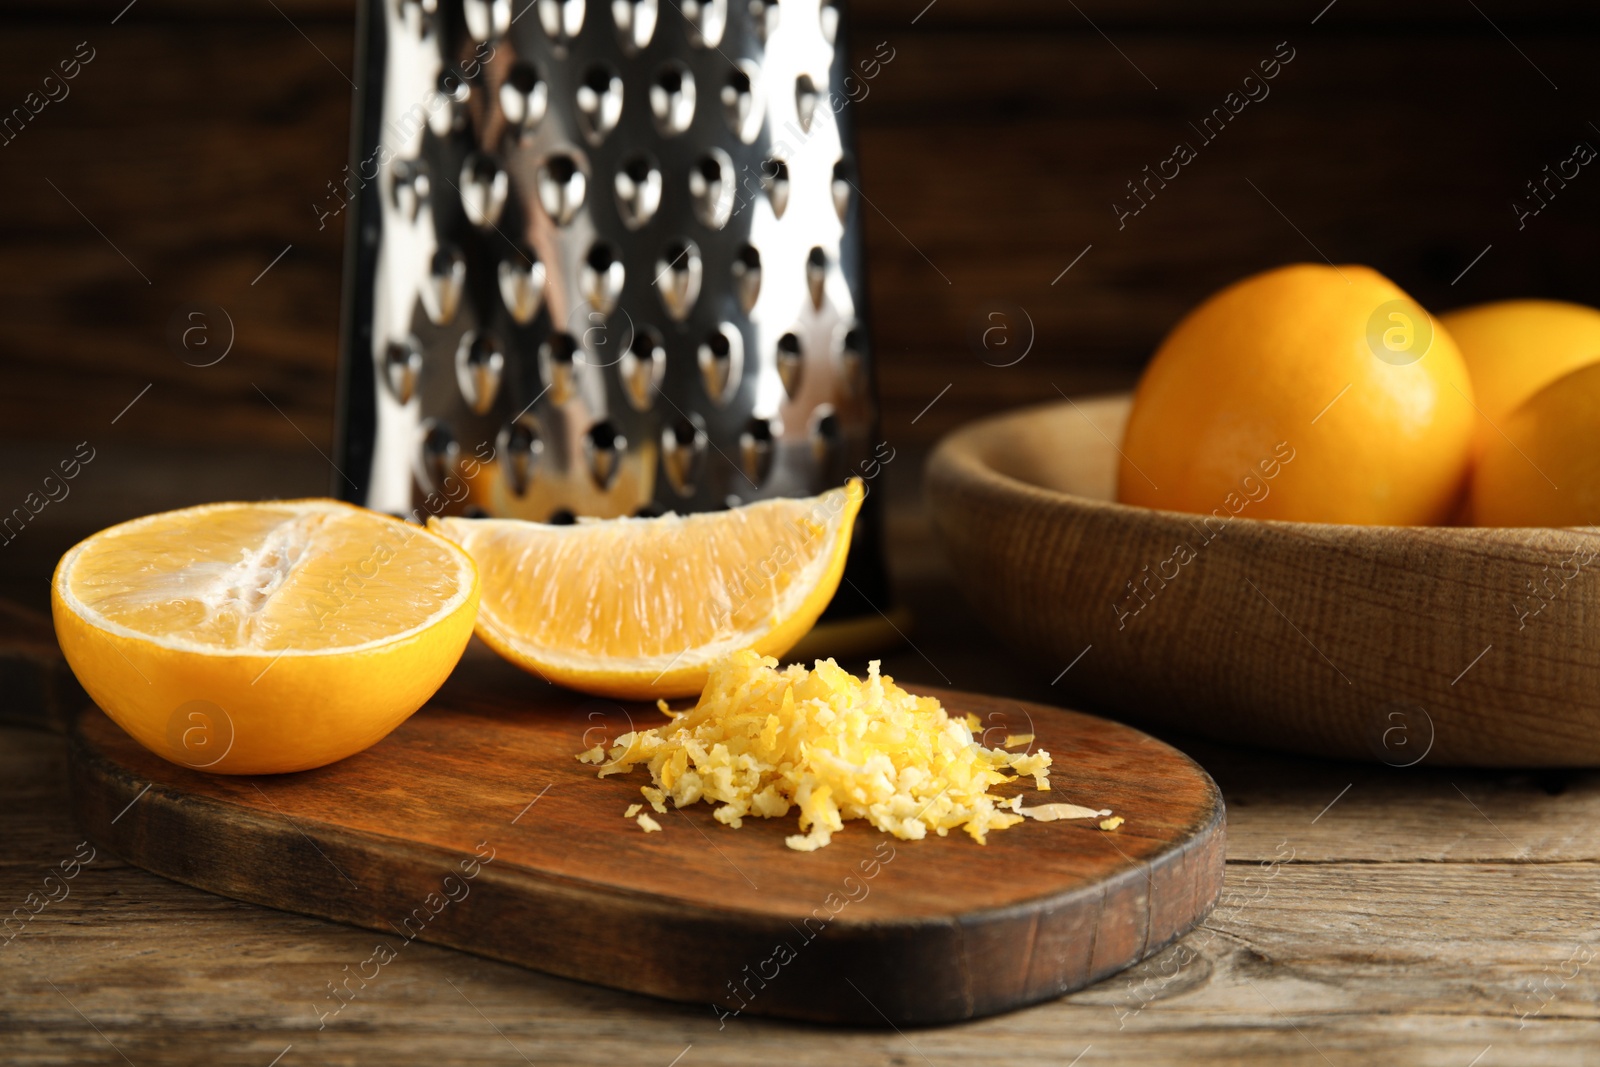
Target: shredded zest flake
762, 740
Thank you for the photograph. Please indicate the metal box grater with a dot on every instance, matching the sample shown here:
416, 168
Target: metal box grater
605, 259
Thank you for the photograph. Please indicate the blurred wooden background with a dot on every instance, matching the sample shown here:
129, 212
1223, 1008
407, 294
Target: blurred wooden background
192, 147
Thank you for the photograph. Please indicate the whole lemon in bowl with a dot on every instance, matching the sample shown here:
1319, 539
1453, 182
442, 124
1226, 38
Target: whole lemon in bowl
1543, 467
1309, 393
1514, 348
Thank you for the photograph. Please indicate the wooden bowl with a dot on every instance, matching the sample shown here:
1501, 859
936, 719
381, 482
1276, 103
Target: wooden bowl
1460, 646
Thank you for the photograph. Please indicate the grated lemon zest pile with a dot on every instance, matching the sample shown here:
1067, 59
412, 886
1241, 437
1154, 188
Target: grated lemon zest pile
762, 740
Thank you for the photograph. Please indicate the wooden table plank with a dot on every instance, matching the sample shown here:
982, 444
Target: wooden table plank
1326, 811
1410, 962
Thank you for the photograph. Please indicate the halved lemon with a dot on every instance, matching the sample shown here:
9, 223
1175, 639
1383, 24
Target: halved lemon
637, 608
262, 638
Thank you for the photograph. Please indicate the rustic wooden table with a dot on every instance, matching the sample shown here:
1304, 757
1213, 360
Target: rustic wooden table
1371, 914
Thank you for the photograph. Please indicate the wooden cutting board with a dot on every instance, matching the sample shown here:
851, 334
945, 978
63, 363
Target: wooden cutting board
474, 826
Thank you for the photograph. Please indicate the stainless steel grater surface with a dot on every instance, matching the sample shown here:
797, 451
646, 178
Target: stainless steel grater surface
604, 259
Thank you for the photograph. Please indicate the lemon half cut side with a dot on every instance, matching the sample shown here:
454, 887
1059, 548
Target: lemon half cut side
260, 638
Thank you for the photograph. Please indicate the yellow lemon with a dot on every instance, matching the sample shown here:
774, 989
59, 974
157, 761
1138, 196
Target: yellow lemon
1543, 468
1514, 348
262, 638
636, 608
1311, 393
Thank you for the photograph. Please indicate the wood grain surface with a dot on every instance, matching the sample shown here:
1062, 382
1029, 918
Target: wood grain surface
474, 826
1386, 643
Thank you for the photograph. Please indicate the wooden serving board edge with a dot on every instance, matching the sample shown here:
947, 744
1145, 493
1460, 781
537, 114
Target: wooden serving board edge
900, 972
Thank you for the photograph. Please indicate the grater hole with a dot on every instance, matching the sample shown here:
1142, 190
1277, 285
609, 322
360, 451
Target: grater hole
524, 96
756, 446
641, 368
522, 281
486, 19
484, 188
557, 358
747, 276
790, 363
739, 104
602, 277
561, 19
520, 447
447, 276
605, 446
708, 20
721, 359
775, 181
560, 347
453, 93
480, 365
853, 361
678, 275
831, 18
639, 168
638, 189
440, 455
672, 99
453, 87
601, 257
402, 366
711, 188
805, 101
562, 187
816, 275
411, 186
683, 448
562, 168
523, 76
825, 425
683, 433
599, 101
826, 435
635, 21
843, 178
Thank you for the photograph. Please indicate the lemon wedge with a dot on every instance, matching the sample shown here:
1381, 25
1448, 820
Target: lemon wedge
640, 608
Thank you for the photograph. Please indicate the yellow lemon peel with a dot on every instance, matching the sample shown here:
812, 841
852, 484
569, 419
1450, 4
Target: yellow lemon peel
762, 740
